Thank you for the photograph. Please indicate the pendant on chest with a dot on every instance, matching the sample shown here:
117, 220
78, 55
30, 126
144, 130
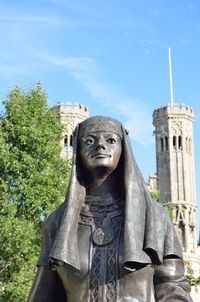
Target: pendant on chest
103, 235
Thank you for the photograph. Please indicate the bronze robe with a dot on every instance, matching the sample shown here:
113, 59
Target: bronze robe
132, 255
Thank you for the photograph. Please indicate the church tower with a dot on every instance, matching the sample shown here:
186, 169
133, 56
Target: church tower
175, 170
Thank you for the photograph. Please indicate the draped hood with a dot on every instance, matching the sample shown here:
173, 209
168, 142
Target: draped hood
149, 235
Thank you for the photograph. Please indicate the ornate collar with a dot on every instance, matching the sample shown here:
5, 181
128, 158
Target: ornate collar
97, 204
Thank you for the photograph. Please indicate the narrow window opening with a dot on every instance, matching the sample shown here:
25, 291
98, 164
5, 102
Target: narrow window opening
166, 143
71, 141
65, 142
161, 144
180, 146
174, 142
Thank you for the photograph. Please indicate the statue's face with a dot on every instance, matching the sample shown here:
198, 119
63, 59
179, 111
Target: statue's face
100, 150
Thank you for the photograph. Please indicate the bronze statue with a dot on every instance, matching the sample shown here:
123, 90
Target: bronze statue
108, 241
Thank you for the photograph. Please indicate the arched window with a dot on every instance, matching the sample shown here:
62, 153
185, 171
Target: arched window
180, 145
174, 142
161, 145
65, 142
166, 143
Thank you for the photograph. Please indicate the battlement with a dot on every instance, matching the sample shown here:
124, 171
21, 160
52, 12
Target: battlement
69, 109
178, 110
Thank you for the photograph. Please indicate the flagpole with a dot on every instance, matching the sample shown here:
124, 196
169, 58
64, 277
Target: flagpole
170, 77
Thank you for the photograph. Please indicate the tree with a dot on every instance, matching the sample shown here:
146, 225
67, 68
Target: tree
33, 181
155, 195
192, 279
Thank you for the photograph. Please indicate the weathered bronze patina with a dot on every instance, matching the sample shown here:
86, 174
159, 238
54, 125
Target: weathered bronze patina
108, 241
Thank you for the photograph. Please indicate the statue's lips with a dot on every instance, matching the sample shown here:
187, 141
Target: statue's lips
101, 155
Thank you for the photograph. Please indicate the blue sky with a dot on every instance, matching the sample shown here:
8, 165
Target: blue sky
111, 56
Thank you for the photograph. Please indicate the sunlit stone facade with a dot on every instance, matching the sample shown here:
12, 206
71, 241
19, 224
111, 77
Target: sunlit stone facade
176, 175
70, 116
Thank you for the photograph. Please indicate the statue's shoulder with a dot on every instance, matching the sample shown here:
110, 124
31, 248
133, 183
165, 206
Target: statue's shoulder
49, 231
53, 220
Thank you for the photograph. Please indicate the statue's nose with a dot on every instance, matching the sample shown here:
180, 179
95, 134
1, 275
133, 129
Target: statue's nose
100, 145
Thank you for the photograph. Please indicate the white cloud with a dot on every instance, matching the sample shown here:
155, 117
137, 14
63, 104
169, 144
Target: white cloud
80, 64
29, 19
88, 74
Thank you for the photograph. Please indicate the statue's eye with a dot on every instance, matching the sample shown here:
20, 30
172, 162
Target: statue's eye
89, 141
111, 140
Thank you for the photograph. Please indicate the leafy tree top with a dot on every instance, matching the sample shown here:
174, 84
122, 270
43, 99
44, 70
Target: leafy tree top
31, 166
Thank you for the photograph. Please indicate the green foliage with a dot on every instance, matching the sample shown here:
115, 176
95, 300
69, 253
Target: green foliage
155, 195
33, 180
193, 281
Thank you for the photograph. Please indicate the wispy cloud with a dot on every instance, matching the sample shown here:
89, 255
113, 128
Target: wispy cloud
39, 18
74, 14
73, 63
89, 74
96, 14
45, 20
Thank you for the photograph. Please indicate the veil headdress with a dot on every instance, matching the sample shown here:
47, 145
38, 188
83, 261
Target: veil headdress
148, 233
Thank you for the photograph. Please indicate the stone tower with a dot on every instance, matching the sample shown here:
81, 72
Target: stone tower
175, 170
69, 117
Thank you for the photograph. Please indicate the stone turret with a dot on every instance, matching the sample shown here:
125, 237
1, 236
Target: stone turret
69, 117
176, 174
175, 169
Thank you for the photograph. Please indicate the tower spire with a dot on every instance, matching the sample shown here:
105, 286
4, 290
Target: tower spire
170, 77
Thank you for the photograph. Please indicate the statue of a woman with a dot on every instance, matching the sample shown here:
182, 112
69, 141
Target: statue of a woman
108, 241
